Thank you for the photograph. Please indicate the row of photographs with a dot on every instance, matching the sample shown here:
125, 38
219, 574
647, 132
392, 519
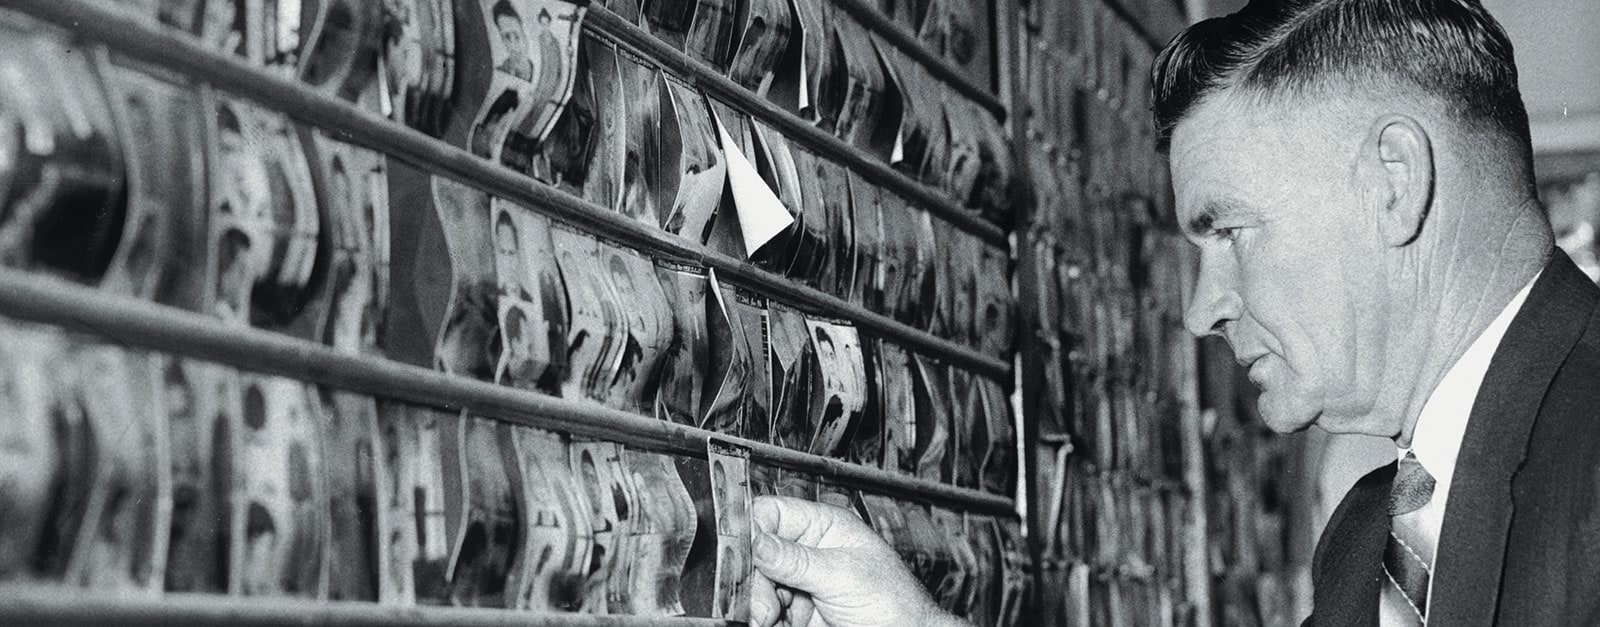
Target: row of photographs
1114, 359
1113, 519
280, 227
953, 559
134, 472
960, 32
1250, 511
1095, 47
534, 304
846, 236
518, 82
1089, 139
1094, 596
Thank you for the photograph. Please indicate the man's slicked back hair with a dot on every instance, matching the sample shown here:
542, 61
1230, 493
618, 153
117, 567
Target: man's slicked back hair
1451, 50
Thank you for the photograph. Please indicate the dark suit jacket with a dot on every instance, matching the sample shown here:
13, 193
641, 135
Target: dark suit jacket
1521, 538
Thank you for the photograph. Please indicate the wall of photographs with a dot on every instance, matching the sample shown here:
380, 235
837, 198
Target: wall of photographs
489, 311
1117, 472
497, 311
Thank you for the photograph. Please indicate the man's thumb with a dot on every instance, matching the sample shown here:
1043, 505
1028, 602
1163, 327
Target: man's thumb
788, 563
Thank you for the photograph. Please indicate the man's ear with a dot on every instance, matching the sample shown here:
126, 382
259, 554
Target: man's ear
1397, 176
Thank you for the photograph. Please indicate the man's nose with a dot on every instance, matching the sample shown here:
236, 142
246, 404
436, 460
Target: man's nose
1216, 300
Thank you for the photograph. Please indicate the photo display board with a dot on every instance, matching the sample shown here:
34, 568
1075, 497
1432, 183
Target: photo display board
416, 307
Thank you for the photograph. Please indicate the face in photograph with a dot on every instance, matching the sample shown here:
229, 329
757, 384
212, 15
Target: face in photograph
508, 27
733, 572
549, 49
261, 550
402, 59
235, 275
518, 341
828, 357
719, 486
467, 345
632, 363
507, 244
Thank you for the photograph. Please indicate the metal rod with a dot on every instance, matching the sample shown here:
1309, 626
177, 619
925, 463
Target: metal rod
346, 122
40, 606
140, 324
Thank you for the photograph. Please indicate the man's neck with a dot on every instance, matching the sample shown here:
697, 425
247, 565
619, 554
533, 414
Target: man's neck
1464, 290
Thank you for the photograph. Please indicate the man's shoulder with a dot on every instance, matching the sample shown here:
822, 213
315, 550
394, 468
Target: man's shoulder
1358, 501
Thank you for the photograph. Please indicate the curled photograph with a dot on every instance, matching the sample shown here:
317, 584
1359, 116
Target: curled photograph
278, 513
764, 38
597, 330
839, 401
158, 255
467, 342
353, 190
650, 329
487, 545
686, 368
198, 401
730, 491
64, 201
532, 312
353, 478
702, 171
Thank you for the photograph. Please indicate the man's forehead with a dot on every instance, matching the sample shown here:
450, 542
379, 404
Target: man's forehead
1217, 123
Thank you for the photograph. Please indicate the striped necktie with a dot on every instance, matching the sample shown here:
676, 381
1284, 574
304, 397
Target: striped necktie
1408, 556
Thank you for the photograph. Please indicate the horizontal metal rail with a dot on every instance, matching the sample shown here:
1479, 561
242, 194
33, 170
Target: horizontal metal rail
349, 123
40, 606
134, 323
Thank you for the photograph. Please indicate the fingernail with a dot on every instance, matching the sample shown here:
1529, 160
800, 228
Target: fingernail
764, 546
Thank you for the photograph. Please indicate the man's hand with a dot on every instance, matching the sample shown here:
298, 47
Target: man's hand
820, 565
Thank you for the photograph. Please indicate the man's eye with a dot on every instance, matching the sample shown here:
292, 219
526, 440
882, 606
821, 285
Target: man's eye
1229, 233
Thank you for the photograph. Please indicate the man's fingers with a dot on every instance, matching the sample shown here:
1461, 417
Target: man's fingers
765, 606
793, 519
803, 612
789, 563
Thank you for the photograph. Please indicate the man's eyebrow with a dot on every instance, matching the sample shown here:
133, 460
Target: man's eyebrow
1202, 222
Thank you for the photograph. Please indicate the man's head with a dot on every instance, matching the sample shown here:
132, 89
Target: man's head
826, 351
179, 397
1333, 159
505, 236
509, 25
621, 277
342, 191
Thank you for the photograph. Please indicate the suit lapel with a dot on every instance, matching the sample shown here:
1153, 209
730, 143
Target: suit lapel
1351, 553
1472, 543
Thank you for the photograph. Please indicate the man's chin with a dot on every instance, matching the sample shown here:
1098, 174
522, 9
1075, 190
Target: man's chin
1285, 415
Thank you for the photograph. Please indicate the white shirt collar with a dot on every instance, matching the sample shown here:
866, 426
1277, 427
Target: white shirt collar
1436, 440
